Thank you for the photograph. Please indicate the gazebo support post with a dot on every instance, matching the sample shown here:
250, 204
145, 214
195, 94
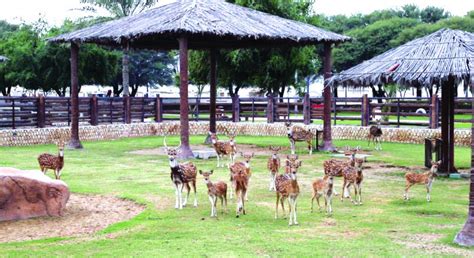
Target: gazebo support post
213, 93
447, 127
74, 142
327, 136
125, 69
466, 236
185, 149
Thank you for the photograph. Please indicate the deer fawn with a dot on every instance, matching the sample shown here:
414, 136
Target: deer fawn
47, 161
241, 166
299, 134
287, 187
181, 176
426, 178
353, 176
214, 191
224, 148
273, 166
375, 132
323, 187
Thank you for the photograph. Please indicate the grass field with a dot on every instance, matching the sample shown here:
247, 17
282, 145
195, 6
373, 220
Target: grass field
384, 225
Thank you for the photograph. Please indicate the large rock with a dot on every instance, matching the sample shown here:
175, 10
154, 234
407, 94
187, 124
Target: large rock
28, 194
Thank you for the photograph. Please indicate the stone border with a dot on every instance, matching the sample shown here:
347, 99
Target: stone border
24, 137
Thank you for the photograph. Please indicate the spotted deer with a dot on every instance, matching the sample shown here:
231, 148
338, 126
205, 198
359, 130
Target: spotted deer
214, 191
48, 161
240, 180
375, 132
290, 159
323, 187
335, 167
182, 175
426, 179
224, 148
353, 176
273, 166
287, 188
241, 166
299, 134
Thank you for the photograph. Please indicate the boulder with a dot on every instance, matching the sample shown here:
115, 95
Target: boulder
28, 194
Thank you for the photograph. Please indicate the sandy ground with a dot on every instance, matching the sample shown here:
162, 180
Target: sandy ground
84, 215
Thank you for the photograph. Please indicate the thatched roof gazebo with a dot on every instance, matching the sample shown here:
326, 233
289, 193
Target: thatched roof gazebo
197, 24
3, 59
444, 58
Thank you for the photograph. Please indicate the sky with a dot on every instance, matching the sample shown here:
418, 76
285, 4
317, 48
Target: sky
56, 11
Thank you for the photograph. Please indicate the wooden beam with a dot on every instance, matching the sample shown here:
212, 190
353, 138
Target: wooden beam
126, 69
185, 151
447, 127
74, 142
327, 135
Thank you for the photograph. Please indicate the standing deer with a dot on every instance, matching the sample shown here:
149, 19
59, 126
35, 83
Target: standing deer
335, 167
181, 176
273, 166
47, 161
375, 132
353, 176
426, 178
240, 181
323, 187
299, 134
214, 191
241, 166
287, 188
224, 148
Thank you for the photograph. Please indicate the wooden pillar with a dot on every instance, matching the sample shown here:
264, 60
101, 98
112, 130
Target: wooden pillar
125, 69
235, 109
185, 151
327, 135
213, 93
466, 236
447, 127
41, 112
94, 110
434, 112
365, 110
307, 109
127, 116
74, 142
270, 109
158, 109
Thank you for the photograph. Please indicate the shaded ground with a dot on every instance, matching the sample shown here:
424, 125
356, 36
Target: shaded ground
85, 214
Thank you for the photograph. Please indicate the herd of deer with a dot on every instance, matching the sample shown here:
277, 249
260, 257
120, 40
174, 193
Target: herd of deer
183, 175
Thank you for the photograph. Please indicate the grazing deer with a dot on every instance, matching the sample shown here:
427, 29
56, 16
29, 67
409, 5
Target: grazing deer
273, 166
375, 132
224, 148
426, 178
240, 181
287, 187
47, 161
299, 134
353, 176
181, 176
214, 191
323, 187
241, 166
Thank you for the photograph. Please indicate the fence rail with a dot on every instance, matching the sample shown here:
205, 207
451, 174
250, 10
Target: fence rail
21, 112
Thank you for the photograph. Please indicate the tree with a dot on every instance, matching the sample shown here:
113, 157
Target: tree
121, 8
433, 14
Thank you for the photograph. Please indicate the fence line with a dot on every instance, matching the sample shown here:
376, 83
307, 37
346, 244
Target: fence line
20, 112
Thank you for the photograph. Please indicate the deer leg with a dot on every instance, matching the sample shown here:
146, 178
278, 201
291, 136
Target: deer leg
276, 206
295, 204
188, 189
272, 182
282, 202
355, 195
408, 185
292, 146
312, 200
291, 211
343, 190
310, 147
359, 186
215, 206
195, 194
212, 205
225, 202
57, 174
428, 191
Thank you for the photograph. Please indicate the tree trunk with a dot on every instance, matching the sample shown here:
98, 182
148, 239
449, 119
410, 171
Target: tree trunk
213, 94
185, 150
327, 135
134, 90
466, 236
447, 127
74, 142
125, 69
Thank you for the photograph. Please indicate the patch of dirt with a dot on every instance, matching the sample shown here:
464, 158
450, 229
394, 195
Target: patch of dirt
84, 215
431, 244
245, 148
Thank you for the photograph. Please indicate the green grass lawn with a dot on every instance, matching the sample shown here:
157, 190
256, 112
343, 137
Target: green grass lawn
384, 225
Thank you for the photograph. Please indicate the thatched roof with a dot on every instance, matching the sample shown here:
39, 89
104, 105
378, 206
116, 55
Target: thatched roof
3, 59
206, 23
424, 61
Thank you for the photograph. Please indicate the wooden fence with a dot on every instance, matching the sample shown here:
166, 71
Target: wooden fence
20, 112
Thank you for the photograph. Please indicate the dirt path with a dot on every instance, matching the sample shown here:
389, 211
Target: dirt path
84, 215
